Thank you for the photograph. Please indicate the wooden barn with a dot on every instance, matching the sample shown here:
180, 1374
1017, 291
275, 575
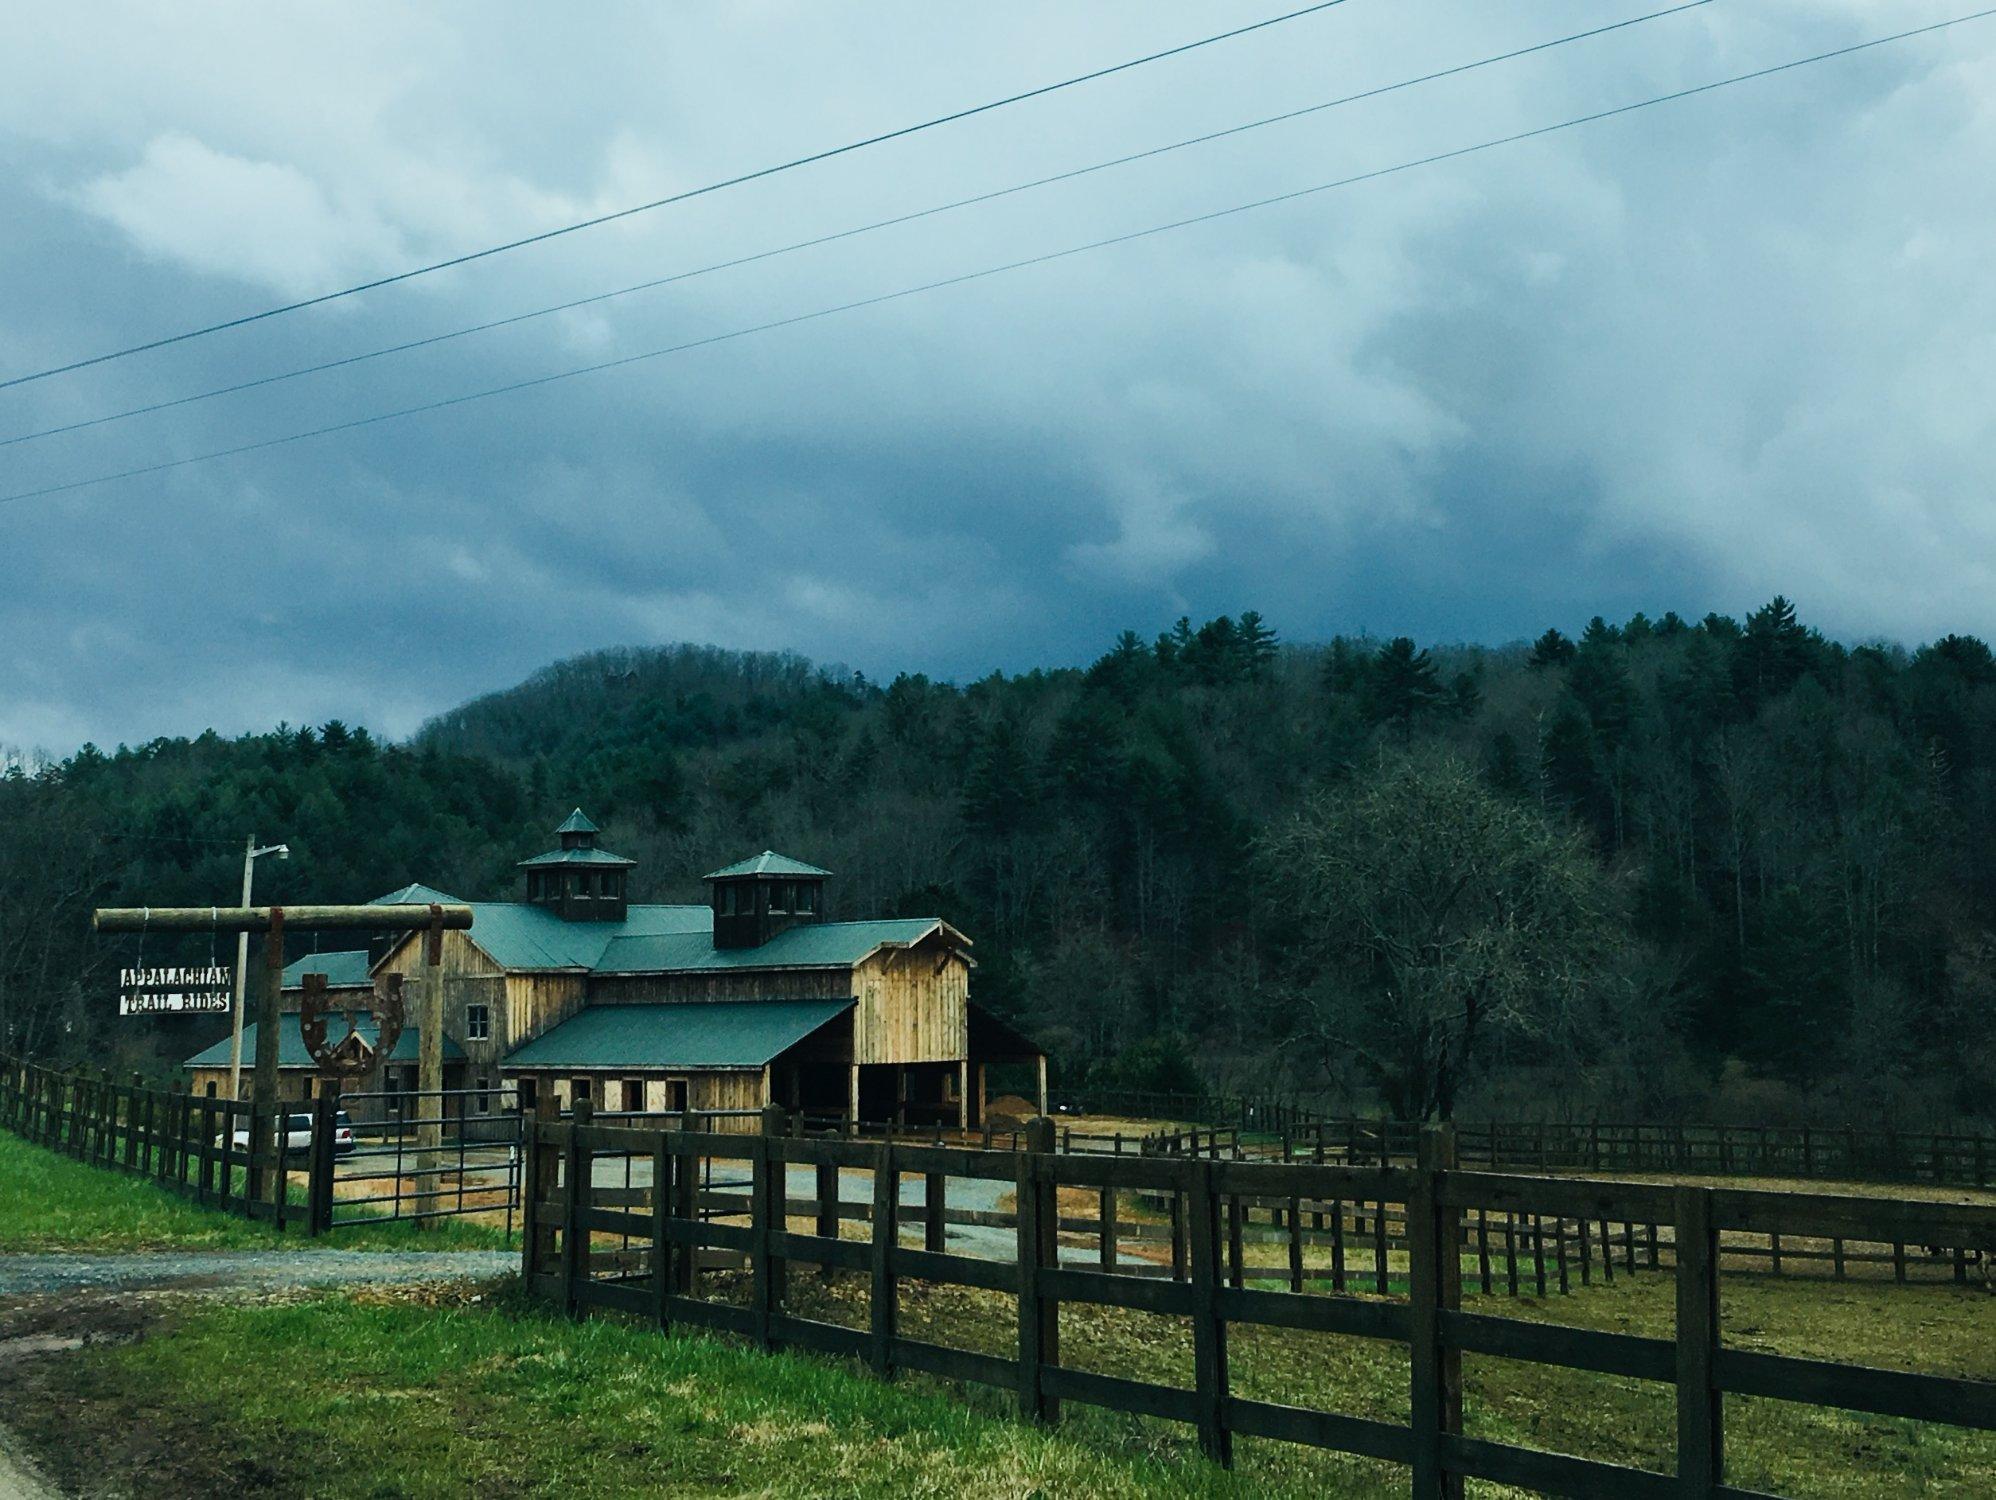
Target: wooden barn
748, 999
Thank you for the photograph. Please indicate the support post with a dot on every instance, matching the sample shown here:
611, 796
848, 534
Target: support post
1040, 1102
769, 1194
963, 1094
1039, 1247
543, 1161
319, 1176
1700, 1409
577, 1165
430, 1068
686, 1207
828, 1212
661, 1232
1434, 1286
852, 1100
935, 1204
263, 1086
1209, 1326
883, 1308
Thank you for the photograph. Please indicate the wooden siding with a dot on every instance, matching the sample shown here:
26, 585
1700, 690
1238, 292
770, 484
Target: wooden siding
721, 984
914, 1005
538, 1002
461, 955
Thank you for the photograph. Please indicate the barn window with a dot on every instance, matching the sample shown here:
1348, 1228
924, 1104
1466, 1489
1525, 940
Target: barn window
779, 895
478, 1023
578, 1089
807, 897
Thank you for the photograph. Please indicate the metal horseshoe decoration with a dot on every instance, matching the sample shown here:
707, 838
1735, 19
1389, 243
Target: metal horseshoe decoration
342, 1060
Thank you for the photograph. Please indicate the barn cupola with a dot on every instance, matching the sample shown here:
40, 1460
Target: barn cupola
578, 881
757, 898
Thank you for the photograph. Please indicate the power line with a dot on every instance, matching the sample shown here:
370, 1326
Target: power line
846, 234
712, 187
1008, 266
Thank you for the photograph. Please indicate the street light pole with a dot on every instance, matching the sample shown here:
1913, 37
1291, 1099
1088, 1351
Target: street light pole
251, 853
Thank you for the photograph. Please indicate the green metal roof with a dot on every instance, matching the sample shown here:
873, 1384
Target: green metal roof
814, 945
711, 1034
415, 895
578, 857
291, 1051
517, 936
346, 970
577, 822
769, 862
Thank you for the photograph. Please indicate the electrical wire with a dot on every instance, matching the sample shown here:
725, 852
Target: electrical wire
846, 234
713, 187
1034, 260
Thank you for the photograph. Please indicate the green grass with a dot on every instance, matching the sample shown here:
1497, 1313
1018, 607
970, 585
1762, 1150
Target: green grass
450, 1395
54, 1202
377, 1397
1783, 1447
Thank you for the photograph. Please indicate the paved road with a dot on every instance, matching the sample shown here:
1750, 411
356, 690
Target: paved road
38, 1275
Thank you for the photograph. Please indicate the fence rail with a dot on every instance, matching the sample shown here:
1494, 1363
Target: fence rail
640, 1250
1842, 1153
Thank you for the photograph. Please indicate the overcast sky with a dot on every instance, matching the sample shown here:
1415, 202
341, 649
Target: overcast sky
1682, 359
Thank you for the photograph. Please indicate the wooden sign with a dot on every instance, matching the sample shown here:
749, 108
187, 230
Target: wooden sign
204, 990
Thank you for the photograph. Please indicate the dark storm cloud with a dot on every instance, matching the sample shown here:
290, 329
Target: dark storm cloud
1685, 359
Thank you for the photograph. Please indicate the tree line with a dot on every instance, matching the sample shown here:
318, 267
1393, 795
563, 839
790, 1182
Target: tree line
1723, 868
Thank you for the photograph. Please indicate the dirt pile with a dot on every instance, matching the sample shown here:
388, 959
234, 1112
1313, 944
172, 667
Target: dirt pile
1008, 1111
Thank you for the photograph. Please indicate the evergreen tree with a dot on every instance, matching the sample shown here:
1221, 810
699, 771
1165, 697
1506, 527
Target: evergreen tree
1601, 684
1344, 668
999, 793
1258, 646
1551, 650
1403, 685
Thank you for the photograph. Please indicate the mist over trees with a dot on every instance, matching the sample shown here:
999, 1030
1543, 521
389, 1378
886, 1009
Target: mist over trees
1722, 868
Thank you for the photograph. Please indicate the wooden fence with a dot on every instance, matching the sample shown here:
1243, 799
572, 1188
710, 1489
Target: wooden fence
218, 1152
1842, 1153
638, 1249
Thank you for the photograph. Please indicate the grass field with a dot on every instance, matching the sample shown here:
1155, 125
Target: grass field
52, 1202
378, 1397
441, 1394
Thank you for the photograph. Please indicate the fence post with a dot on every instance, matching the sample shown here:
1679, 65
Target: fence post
1106, 1218
319, 1175
132, 1125
1178, 1231
884, 1301
828, 1210
576, 1168
177, 1112
935, 1203
1039, 1315
769, 1195
1700, 1420
686, 1207
537, 1189
1434, 1286
1209, 1325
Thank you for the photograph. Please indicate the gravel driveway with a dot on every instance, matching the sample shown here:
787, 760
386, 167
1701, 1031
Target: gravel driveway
257, 1270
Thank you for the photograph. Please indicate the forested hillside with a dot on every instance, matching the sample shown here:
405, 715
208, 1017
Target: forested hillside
1723, 869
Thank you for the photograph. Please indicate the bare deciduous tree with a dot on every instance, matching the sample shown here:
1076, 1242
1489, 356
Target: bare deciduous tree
1431, 913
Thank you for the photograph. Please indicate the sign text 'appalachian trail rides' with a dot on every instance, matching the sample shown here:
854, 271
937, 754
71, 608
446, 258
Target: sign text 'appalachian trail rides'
173, 992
